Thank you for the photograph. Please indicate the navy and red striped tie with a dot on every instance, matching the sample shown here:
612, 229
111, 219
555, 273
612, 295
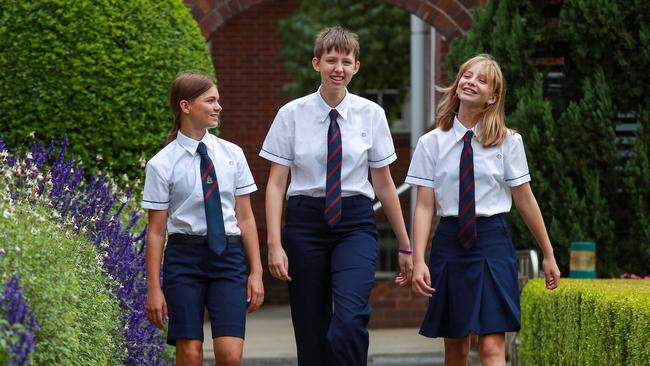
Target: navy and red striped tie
212, 200
466, 204
332, 212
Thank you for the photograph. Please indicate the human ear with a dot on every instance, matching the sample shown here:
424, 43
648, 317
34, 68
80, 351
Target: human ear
357, 66
315, 63
185, 106
492, 100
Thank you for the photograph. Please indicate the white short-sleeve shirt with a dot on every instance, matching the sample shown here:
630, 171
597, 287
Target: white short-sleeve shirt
436, 163
298, 139
173, 183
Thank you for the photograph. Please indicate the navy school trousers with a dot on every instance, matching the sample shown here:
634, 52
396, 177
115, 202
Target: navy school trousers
332, 272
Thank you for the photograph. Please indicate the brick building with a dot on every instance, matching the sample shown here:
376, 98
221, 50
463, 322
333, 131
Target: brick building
244, 43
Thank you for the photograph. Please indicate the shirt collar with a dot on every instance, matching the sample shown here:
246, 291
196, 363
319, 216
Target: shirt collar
191, 144
323, 109
460, 130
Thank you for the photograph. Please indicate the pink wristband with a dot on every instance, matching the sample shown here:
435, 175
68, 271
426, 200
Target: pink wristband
406, 251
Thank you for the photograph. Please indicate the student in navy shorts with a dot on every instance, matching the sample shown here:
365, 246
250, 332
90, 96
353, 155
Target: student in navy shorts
329, 140
468, 170
197, 190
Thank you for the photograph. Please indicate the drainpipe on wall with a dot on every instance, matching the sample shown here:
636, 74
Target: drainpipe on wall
419, 79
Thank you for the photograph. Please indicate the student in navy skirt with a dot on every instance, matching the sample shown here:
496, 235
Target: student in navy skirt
197, 190
329, 140
468, 170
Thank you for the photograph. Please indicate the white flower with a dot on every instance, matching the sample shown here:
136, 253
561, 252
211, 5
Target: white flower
17, 248
99, 157
124, 199
33, 134
6, 214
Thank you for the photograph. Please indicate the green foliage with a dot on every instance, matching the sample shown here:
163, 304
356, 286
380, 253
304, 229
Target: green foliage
65, 287
383, 35
586, 322
98, 71
613, 36
637, 181
501, 30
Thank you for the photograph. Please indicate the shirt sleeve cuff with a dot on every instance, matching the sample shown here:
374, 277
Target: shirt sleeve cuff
246, 189
518, 180
275, 158
151, 205
418, 181
382, 162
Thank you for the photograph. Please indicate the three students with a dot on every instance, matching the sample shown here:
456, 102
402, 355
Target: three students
467, 170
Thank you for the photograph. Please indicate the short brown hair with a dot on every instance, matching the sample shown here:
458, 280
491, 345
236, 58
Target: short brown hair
337, 38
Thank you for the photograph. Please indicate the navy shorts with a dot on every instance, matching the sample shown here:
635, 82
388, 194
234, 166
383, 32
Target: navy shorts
195, 278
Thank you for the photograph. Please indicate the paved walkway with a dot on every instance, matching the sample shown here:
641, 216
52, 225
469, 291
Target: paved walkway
270, 342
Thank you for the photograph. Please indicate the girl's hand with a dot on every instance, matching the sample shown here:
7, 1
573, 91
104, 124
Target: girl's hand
278, 263
406, 269
254, 292
421, 282
551, 273
156, 307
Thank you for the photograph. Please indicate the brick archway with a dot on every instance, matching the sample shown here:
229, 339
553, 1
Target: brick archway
451, 18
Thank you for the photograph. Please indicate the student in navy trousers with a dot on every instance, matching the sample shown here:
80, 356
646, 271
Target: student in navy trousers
197, 192
328, 250
468, 170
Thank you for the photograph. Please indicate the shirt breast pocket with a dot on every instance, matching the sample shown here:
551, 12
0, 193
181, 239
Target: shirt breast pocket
227, 176
491, 167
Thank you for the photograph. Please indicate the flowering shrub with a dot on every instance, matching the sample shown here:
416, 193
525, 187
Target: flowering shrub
96, 210
633, 276
17, 325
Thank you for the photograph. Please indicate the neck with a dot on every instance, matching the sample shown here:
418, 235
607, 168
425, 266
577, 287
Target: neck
468, 116
332, 97
193, 132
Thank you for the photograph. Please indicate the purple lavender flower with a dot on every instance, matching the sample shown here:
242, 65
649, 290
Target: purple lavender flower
19, 315
91, 205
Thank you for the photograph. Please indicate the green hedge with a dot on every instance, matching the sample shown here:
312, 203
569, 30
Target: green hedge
63, 282
586, 322
96, 70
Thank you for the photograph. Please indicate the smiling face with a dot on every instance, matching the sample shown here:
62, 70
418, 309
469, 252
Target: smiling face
203, 111
475, 88
336, 69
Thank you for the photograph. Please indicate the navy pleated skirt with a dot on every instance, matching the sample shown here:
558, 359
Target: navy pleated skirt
476, 289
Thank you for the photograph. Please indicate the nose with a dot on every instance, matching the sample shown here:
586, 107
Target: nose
339, 66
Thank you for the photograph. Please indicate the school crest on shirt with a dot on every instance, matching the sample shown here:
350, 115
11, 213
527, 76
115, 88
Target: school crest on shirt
209, 180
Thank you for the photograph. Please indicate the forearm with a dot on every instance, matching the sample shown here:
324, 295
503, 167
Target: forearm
274, 205
155, 243
421, 228
274, 199
387, 195
531, 214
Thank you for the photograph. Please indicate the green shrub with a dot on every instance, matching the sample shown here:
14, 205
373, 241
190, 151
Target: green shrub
60, 272
96, 70
586, 322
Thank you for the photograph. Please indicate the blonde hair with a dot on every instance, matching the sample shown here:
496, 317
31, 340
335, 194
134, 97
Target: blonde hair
188, 85
492, 129
337, 38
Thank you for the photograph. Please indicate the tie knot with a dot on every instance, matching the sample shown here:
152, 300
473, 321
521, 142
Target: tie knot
468, 135
201, 149
333, 115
